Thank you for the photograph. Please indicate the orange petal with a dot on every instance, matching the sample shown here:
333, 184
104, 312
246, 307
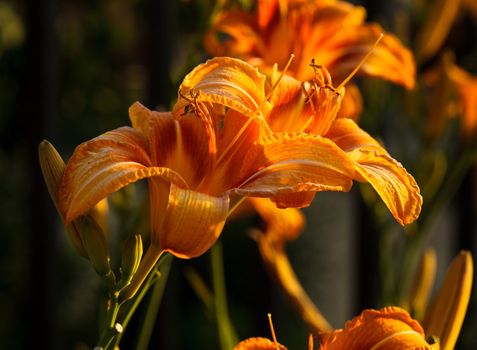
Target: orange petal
288, 163
192, 222
289, 112
282, 225
386, 329
258, 344
294, 200
182, 146
238, 135
394, 184
227, 82
104, 165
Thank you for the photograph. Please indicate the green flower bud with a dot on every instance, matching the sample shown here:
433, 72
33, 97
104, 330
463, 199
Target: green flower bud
94, 243
131, 258
52, 167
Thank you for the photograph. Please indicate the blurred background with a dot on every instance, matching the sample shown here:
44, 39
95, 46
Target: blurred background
70, 69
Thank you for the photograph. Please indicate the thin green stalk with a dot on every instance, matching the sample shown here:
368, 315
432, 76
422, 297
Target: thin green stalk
227, 336
111, 328
153, 307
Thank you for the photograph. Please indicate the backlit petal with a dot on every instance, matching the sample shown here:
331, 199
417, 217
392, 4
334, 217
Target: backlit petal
286, 163
104, 165
386, 329
192, 222
389, 178
225, 81
238, 135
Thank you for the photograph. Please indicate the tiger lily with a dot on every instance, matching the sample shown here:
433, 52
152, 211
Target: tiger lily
212, 149
334, 33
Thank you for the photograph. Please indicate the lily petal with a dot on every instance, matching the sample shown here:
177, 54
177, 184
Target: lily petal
238, 135
389, 178
225, 81
192, 222
285, 163
386, 329
104, 165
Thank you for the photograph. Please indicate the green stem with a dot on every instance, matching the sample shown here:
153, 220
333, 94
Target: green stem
227, 335
111, 328
153, 307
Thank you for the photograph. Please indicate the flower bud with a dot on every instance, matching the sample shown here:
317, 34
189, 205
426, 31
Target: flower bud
131, 258
52, 167
94, 243
446, 314
422, 284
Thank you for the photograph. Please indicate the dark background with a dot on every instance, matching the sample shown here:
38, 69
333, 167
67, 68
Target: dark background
69, 71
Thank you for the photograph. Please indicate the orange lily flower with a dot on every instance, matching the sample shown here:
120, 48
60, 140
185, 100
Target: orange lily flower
213, 147
388, 328
334, 33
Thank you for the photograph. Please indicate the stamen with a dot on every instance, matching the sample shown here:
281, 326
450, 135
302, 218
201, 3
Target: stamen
274, 337
351, 75
310, 342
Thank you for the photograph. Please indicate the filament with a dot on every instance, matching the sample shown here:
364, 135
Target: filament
274, 337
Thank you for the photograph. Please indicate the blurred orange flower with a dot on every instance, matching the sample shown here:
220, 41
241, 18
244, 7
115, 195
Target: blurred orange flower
388, 328
465, 85
334, 33
453, 94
